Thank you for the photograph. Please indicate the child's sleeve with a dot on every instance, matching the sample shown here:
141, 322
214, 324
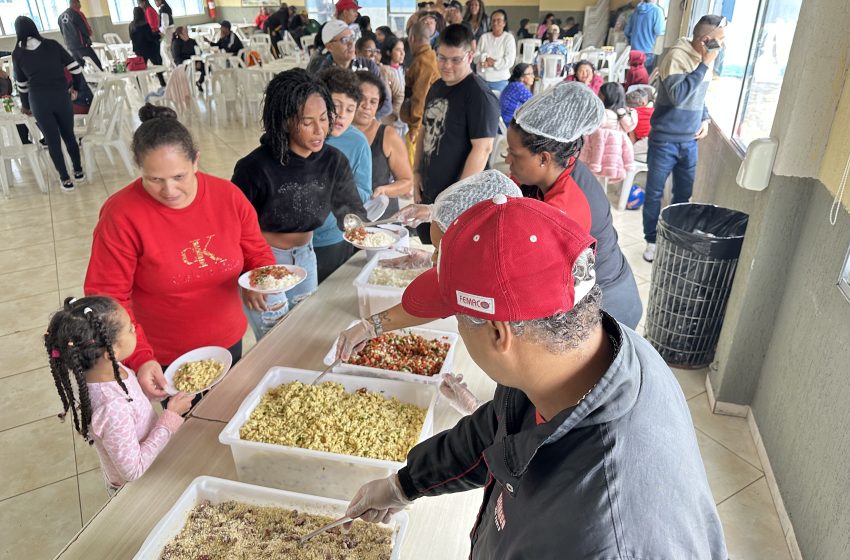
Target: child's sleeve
115, 425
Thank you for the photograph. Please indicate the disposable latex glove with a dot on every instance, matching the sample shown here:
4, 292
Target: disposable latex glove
352, 339
414, 214
415, 258
458, 394
378, 501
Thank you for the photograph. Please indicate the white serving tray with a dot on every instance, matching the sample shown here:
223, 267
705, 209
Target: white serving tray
320, 473
218, 490
429, 334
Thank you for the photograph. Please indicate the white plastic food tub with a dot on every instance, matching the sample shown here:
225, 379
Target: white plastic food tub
218, 490
317, 472
429, 334
371, 298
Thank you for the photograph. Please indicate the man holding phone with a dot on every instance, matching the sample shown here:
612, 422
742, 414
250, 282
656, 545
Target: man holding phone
679, 120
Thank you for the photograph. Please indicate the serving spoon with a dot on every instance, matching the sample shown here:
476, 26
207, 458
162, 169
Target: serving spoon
321, 530
353, 221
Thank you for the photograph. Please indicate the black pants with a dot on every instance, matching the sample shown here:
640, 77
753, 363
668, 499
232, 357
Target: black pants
330, 258
55, 117
156, 58
235, 351
89, 52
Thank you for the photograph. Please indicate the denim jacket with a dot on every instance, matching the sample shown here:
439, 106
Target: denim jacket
618, 476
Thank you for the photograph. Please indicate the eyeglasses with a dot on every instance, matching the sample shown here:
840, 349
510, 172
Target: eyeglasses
452, 60
347, 40
371, 51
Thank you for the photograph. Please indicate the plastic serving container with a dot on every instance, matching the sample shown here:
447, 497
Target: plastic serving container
371, 298
218, 490
429, 334
317, 472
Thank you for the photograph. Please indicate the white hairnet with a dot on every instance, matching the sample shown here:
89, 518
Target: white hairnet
468, 192
564, 113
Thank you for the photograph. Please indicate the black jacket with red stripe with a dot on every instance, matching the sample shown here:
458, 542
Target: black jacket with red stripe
619, 476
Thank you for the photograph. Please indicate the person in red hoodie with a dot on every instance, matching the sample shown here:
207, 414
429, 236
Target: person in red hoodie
636, 74
170, 247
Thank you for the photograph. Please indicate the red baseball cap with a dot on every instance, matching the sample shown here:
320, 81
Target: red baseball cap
505, 259
346, 5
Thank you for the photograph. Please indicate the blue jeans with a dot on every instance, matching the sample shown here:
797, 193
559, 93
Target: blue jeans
279, 304
649, 63
498, 86
680, 158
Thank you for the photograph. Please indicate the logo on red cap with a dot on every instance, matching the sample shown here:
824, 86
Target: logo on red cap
476, 303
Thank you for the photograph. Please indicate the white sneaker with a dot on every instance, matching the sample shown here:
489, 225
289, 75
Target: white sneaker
649, 252
67, 186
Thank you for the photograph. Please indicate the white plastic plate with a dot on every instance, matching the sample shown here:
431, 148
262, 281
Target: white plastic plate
216, 353
245, 279
388, 232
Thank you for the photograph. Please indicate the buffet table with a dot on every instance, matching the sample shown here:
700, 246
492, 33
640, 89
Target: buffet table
439, 527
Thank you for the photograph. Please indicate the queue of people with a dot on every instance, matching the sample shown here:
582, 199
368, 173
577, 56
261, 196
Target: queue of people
578, 391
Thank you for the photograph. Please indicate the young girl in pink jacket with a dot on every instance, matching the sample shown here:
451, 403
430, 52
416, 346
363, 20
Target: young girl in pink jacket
608, 151
85, 342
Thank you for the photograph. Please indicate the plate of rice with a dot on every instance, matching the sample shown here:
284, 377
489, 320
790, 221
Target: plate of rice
197, 371
370, 237
273, 279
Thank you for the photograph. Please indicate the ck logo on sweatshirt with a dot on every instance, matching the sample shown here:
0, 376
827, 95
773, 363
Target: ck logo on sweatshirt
199, 255
499, 514
478, 303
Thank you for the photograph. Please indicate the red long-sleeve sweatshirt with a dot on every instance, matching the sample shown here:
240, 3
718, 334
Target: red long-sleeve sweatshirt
176, 271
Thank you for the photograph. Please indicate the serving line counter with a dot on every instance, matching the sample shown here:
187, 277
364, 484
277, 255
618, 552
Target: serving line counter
438, 528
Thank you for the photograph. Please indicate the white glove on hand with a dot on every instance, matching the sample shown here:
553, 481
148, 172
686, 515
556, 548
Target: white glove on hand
414, 214
415, 258
378, 501
460, 397
352, 339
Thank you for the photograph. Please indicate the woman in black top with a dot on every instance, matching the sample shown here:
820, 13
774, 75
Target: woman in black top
295, 180
40, 66
183, 49
145, 40
391, 172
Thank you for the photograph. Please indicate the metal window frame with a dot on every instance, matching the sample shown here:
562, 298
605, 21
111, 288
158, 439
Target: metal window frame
844, 279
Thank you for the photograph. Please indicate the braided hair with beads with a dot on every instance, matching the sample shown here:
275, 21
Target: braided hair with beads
77, 337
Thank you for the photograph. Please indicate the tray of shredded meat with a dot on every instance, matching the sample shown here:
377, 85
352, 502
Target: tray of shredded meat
217, 519
327, 439
414, 354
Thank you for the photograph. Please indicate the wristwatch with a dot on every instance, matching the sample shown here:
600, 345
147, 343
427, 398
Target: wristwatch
378, 323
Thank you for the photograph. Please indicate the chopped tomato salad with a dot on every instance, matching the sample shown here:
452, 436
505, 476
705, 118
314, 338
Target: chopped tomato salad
409, 353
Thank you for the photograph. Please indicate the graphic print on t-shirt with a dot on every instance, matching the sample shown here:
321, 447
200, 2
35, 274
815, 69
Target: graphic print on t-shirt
198, 253
434, 125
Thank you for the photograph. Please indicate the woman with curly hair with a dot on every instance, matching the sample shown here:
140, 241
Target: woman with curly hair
294, 180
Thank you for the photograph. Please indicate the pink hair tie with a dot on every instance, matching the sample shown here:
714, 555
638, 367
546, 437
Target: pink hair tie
54, 353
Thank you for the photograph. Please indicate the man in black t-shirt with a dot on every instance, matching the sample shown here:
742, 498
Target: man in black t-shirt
460, 121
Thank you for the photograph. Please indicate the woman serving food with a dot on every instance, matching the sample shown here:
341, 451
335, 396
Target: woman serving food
170, 247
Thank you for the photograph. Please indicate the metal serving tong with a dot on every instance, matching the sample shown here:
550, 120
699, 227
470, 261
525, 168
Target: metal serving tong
321, 530
327, 371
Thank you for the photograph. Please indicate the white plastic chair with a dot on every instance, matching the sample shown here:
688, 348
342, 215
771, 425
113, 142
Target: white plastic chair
502, 138
288, 48
224, 90
628, 181
262, 43
112, 39
307, 42
528, 50
617, 71
103, 130
11, 148
577, 41
252, 86
553, 70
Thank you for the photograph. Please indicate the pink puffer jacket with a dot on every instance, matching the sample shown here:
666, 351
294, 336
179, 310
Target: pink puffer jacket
608, 152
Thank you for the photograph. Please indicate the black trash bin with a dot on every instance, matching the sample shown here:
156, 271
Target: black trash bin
695, 262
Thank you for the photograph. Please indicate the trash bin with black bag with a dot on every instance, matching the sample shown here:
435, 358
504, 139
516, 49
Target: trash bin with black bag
695, 262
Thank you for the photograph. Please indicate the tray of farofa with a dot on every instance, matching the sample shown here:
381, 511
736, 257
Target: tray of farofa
327, 439
275, 521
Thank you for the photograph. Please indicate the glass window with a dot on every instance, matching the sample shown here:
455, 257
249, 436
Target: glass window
844, 279
771, 48
45, 13
121, 11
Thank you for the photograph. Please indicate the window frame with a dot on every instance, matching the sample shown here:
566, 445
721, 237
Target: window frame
844, 278
35, 10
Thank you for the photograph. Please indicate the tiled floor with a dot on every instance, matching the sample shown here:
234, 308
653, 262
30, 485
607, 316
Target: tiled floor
50, 482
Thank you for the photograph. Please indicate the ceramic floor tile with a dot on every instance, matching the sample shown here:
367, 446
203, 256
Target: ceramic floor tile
31, 282
27, 217
727, 473
85, 454
26, 236
64, 212
36, 525
691, 380
72, 273
76, 227
23, 258
641, 268
93, 494
27, 313
751, 525
23, 351
34, 455
730, 431
27, 397
73, 248
19, 201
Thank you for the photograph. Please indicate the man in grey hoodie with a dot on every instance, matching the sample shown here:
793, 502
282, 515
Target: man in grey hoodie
679, 120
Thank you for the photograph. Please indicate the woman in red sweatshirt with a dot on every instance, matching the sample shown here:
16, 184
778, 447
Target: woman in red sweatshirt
170, 248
